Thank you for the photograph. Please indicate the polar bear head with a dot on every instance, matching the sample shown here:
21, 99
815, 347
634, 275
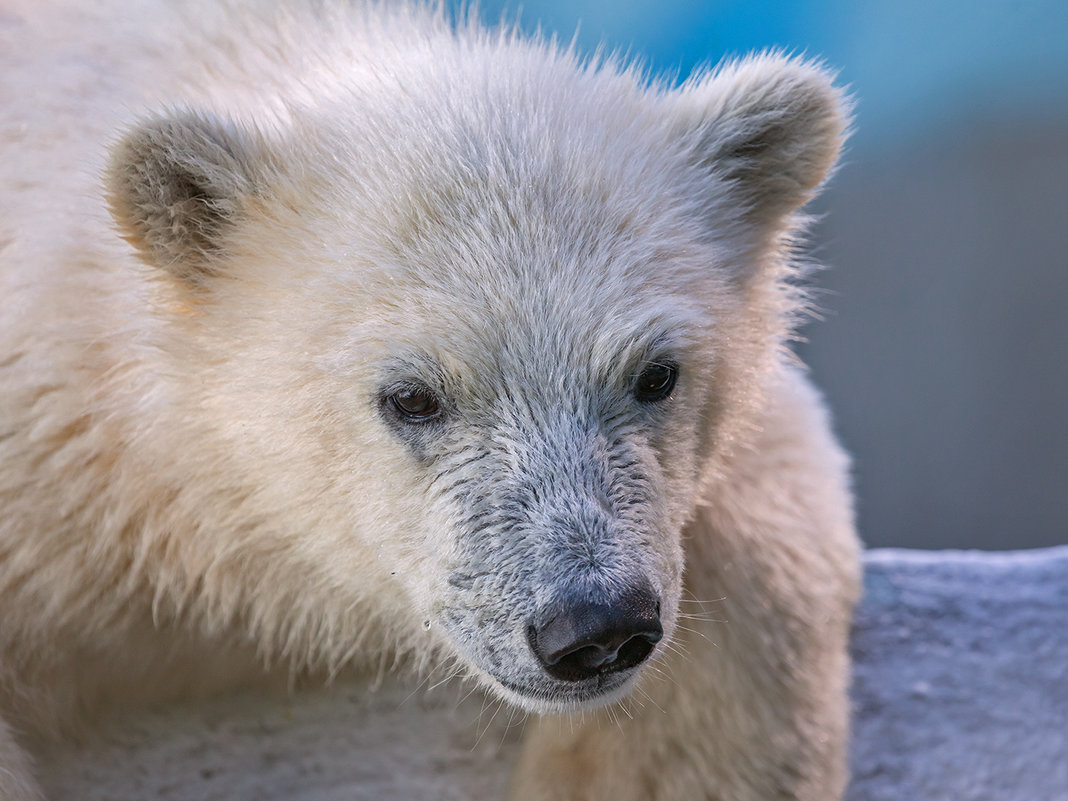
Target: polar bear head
452, 351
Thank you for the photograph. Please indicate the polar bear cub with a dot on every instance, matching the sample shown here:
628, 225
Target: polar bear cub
341, 334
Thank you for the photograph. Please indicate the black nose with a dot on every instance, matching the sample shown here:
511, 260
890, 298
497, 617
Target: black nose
582, 639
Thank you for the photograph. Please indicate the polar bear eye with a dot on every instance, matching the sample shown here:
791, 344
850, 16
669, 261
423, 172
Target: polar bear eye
656, 382
415, 405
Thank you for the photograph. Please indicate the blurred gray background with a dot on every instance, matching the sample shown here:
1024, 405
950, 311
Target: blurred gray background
944, 348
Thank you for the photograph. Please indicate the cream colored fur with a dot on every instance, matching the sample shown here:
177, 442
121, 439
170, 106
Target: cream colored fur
199, 482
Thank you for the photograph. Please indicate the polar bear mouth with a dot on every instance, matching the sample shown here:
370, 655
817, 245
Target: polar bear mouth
575, 652
560, 697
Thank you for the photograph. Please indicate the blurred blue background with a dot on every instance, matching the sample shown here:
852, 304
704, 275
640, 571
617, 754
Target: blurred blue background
944, 350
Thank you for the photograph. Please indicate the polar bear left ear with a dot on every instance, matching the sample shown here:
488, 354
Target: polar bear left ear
176, 185
767, 130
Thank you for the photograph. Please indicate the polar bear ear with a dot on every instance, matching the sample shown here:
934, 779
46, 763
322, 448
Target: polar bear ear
176, 184
768, 130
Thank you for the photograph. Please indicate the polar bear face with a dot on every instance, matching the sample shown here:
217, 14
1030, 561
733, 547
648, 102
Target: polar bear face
547, 448
473, 368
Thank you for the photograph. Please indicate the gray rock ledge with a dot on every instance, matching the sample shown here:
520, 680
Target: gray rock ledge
960, 687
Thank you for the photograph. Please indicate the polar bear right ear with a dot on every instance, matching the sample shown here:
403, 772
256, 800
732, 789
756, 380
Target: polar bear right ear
176, 184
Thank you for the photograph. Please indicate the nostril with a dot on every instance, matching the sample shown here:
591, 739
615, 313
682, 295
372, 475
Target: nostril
592, 660
634, 651
583, 639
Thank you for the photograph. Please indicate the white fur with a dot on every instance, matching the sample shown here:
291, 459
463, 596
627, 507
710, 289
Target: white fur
196, 471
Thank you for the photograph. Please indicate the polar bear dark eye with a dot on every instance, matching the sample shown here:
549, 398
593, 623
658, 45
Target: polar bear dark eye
655, 382
415, 405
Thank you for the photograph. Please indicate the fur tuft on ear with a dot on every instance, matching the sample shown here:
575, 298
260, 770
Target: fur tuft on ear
769, 127
176, 184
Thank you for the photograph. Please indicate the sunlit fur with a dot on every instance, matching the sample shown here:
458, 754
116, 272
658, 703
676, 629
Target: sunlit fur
229, 233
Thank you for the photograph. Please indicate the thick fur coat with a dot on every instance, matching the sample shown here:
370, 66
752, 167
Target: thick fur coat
343, 336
